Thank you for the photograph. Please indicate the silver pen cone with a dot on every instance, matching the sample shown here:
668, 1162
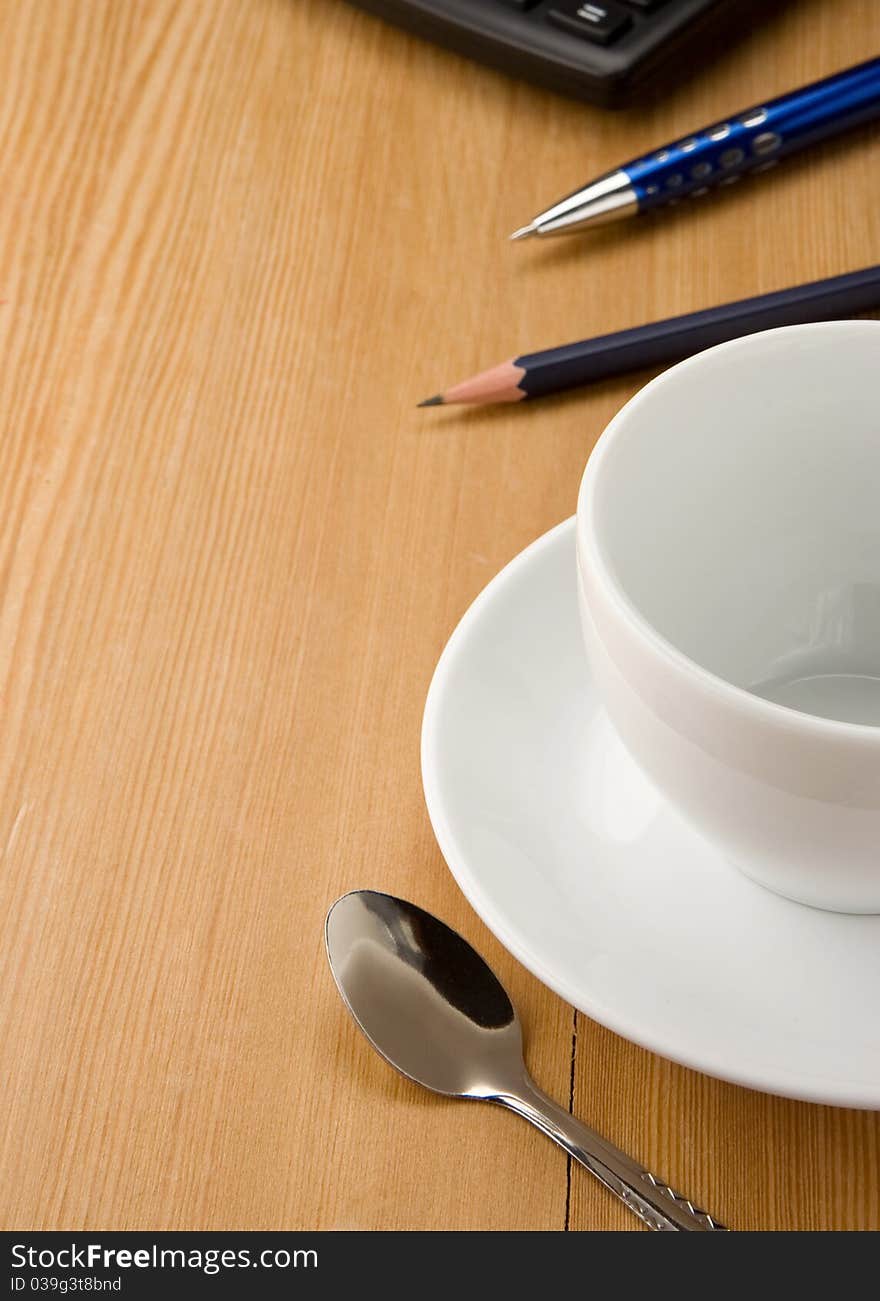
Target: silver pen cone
606, 199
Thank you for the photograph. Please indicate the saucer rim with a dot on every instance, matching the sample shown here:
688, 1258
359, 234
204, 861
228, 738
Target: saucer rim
756, 1076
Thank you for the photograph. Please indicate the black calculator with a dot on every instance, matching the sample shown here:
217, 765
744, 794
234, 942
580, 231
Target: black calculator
608, 51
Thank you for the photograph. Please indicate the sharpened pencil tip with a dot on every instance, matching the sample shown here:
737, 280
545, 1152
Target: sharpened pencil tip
523, 233
435, 401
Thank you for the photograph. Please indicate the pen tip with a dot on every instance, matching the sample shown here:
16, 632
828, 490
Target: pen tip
523, 233
435, 401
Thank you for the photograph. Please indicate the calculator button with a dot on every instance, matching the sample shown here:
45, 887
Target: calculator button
596, 20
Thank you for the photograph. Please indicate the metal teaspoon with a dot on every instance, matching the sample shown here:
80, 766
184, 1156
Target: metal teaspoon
430, 1005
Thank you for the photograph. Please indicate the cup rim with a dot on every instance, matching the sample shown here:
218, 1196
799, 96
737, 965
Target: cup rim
723, 692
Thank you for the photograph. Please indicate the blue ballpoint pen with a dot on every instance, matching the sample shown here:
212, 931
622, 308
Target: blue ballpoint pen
750, 141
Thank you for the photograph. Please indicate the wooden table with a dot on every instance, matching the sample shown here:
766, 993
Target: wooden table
240, 238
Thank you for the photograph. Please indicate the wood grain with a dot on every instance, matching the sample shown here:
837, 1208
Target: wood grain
238, 241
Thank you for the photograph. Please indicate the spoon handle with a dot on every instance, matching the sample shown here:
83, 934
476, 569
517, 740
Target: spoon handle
646, 1196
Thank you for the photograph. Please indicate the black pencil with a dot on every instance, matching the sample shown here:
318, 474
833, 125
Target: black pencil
535, 374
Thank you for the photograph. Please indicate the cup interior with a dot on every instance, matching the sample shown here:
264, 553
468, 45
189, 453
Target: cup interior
736, 505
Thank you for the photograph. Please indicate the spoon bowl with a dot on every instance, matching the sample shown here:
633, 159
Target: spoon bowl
424, 998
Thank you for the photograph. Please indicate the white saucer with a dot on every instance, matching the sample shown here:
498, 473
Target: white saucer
595, 885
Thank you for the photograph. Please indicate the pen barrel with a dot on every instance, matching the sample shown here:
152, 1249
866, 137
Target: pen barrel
663, 342
756, 139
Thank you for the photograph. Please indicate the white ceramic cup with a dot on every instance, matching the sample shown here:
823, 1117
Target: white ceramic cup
728, 540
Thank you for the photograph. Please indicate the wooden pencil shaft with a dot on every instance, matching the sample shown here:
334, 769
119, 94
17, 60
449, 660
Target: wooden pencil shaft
670, 340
